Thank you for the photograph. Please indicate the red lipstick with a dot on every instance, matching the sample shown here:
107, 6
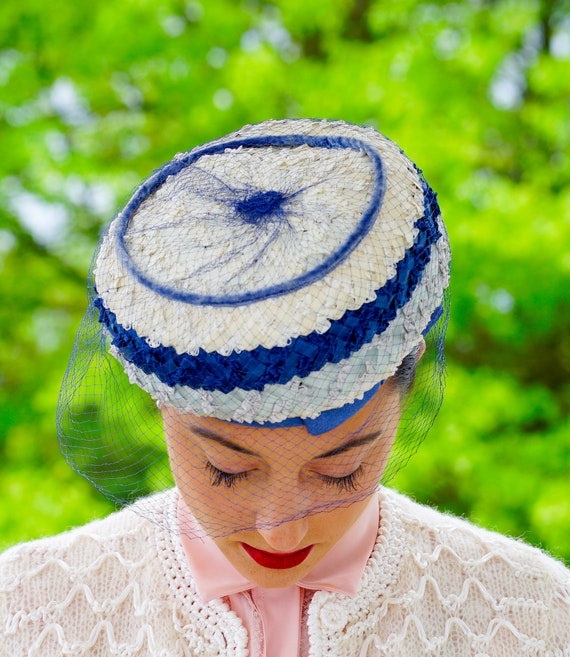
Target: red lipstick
277, 560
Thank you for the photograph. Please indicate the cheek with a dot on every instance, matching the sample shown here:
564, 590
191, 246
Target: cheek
380, 457
183, 462
332, 526
210, 505
380, 454
211, 508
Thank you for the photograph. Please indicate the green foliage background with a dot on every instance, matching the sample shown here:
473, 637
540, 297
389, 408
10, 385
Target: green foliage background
93, 96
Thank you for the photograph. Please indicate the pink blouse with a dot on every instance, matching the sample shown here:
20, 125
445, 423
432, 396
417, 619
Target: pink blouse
273, 617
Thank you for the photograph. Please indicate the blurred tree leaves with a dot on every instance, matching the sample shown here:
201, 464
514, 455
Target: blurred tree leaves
95, 96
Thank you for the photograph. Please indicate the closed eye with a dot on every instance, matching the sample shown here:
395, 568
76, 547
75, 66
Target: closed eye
347, 482
220, 477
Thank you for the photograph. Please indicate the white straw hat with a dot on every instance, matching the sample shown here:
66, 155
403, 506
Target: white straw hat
277, 273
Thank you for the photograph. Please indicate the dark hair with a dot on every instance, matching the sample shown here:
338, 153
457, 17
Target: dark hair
405, 375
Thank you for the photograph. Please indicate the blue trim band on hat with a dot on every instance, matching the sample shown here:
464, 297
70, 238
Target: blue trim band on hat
326, 421
334, 417
253, 370
255, 203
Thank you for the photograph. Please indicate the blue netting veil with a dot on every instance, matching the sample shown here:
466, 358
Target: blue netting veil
265, 328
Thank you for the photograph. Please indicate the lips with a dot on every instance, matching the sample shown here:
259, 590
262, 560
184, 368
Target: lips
277, 560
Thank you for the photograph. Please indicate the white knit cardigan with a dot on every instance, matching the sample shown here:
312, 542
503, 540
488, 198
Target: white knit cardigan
434, 585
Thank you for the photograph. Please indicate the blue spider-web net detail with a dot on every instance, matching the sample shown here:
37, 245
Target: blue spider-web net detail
260, 206
249, 205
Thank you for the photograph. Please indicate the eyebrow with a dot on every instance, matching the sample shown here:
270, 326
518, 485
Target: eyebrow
210, 435
351, 444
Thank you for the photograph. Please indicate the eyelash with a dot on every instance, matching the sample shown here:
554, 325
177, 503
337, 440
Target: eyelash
219, 477
229, 479
347, 483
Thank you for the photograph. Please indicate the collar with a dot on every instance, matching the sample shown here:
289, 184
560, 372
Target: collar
340, 570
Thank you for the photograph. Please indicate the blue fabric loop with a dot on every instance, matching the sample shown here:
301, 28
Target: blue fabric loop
253, 370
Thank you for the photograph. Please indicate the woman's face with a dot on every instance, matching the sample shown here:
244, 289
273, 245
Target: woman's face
265, 494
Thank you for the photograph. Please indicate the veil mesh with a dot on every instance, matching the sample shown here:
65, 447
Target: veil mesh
264, 301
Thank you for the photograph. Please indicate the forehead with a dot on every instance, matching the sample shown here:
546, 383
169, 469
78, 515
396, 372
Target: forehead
269, 442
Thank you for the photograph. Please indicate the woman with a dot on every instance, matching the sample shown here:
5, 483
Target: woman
279, 296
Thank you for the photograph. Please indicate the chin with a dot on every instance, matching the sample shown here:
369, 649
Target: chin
276, 579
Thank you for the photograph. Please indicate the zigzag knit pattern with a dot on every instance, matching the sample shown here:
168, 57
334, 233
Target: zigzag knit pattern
434, 586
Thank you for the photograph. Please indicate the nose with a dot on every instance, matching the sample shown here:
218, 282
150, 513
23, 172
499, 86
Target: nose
281, 517
287, 536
